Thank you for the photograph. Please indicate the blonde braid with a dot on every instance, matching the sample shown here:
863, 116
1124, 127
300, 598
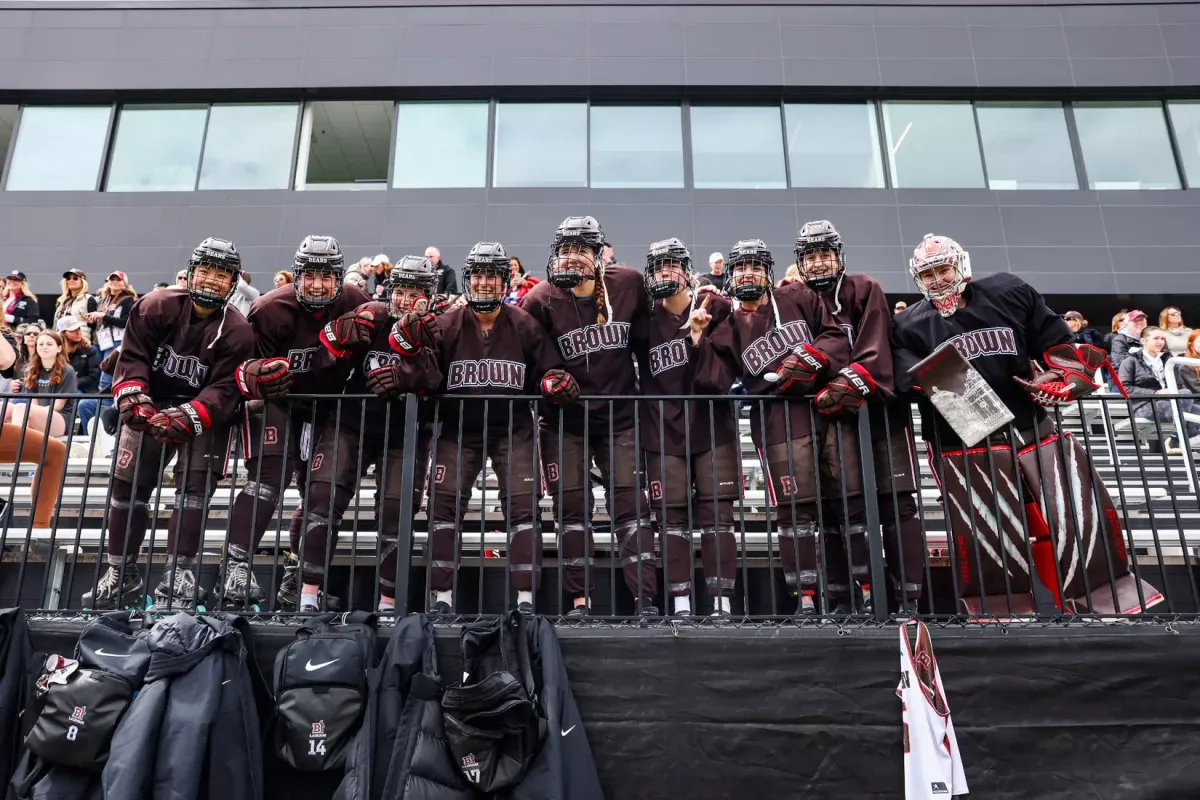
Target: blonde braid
601, 294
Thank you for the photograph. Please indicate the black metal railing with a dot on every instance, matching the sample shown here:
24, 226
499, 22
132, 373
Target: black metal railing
1089, 514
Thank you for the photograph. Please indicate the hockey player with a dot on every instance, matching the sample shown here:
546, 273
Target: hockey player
780, 341
175, 390
694, 481
276, 433
593, 312
488, 347
376, 338
995, 491
858, 303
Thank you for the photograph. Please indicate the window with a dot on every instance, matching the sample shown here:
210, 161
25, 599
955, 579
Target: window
8, 120
637, 147
737, 147
249, 146
932, 145
834, 145
541, 144
157, 149
59, 148
1026, 146
345, 145
441, 144
1126, 146
1185, 116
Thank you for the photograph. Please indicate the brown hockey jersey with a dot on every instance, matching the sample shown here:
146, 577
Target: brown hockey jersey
510, 359
865, 317
748, 345
284, 328
181, 357
667, 362
599, 356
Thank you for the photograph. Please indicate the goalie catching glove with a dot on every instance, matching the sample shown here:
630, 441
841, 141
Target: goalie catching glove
799, 370
134, 405
349, 330
1069, 377
413, 332
180, 424
263, 378
560, 387
847, 392
385, 382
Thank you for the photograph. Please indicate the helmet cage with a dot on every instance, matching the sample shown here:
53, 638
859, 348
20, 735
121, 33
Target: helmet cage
218, 254
932, 253
413, 272
575, 253
488, 260
816, 237
753, 259
661, 256
320, 254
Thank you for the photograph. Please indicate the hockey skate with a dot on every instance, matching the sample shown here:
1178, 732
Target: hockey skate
177, 589
288, 595
113, 593
237, 589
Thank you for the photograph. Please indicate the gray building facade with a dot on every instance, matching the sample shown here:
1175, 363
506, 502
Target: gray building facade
1115, 239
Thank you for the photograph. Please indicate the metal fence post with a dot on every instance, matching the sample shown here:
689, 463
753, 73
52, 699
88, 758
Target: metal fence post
404, 538
866, 457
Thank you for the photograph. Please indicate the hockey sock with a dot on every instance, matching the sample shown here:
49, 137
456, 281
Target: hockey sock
445, 597
683, 605
524, 597
722, 604
387, 605
313, 600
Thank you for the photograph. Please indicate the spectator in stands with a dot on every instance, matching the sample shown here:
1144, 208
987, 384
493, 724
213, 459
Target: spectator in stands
1189, 377
74, 300
90, 408
1081, 333
1170, 319
284, 278
48, 375
791, 275
355, 278
113, 304
447, 281
243, 294
161, 285
381, 271
519, 281
1143, 372
17, 445
900, 306
607, 254
716, 272
181, 279
1117, 321
1127, 340
27, 349
20, 304
83, 357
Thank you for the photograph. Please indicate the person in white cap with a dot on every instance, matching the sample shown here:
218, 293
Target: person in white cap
381, 270
716, 272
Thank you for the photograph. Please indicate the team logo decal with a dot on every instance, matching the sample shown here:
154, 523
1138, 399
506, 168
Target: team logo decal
775, 344
318, 460
125, 458
552, 472
486, 372
656, 490
270, 435
184, 368
985, 342
318, 728
301, 360
668, 355
592, 338
439, 474
470, 767
78, 714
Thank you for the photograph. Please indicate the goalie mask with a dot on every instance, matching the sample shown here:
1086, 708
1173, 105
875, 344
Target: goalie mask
320, 270
575, 254
668, 269
485, 276
820, 255
413, 278
750, 267
213, 271
941, 269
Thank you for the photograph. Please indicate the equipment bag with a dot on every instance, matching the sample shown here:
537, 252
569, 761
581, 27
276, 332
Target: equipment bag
321, 690
76, 712
492, 718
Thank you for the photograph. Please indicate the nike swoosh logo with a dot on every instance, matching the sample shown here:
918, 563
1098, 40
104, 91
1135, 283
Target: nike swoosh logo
568, 730
101, 652
311, 667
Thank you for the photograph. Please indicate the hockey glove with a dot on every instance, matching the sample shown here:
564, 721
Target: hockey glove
560, 387
847, 392
440, 304
180, 424
798, 372
349, 330
263, 378
1064, 382
385, 382
412, 332
134, 405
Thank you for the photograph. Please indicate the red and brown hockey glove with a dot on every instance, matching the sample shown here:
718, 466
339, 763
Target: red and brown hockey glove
349, 330
1069, 377
413, 332
798, 372
847, 392
134, 405
386, 382
263, 378
440, 304
180, 424
560, 387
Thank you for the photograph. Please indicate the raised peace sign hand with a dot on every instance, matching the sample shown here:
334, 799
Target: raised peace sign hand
699, 320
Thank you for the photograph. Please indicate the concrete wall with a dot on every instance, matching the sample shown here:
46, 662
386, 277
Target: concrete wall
1065, 242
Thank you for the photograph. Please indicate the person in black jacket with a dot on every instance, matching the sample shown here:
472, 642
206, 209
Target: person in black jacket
82, 355
20, 304
16, 663
1127, 340
447, 280
1143, 373
1081, 333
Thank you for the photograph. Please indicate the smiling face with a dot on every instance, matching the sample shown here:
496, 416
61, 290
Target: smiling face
47, 348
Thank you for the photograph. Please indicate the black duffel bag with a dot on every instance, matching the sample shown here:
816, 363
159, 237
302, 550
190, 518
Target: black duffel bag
492, 718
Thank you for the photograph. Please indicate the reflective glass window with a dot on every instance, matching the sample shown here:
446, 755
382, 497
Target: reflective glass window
1026, 146
932, 145
1126, 146
441, 145
541, 144
1185, 117
249, 146
637, 147
157, 149
59, 148
834, 145
737, 147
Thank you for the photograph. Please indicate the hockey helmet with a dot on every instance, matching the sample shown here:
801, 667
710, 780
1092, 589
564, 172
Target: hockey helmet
941, 269
575, 254
213, 255
320, 256
751, 270
661, 280
486, 260
819, 236
410, 273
